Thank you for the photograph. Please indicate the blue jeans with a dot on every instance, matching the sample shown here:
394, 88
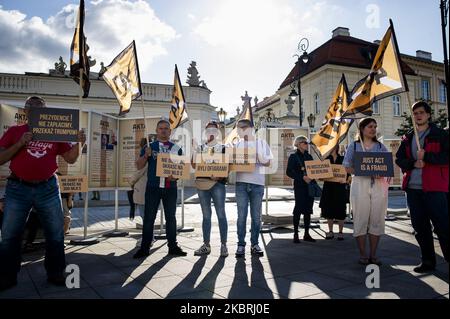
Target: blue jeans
428, 208
217, 194
46, 200
153, 196
249, 193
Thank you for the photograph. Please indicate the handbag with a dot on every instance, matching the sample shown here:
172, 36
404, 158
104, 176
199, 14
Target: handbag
314, 189
137, 175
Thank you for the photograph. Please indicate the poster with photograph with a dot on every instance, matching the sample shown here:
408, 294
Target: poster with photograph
131, 141
281, 142
103, 151
9, 116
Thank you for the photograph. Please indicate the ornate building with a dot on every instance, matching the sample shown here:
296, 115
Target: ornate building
59, 90
353, 57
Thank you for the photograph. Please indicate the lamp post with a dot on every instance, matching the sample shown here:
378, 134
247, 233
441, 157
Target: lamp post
221, 114
311, 120
444, 22
302, 58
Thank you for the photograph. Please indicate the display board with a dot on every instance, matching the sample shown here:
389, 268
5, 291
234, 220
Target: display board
103, 151
281, 142
131, 132
393, 146
9, 116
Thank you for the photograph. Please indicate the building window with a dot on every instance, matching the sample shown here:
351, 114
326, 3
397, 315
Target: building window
396, 105
426, 90
442, 92
316, 103
375, 108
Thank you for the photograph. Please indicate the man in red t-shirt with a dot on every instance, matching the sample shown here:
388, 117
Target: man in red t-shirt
32, 183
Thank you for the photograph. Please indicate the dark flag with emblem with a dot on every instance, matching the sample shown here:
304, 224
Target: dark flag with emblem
334, 128
386, 78
122, 76
178, 113
79, 60
246, 114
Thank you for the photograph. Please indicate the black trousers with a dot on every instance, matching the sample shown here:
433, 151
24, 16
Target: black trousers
303, 205
429, 208
153, 196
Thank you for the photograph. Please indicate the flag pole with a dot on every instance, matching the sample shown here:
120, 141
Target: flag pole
145, 121
93, 240
86, 196
416, 135
406, 86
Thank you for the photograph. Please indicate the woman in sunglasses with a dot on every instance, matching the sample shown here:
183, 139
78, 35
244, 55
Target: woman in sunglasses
303, 202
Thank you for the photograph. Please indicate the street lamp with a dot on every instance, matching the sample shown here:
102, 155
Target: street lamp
311, 120
302, 58
444, 22
221, 114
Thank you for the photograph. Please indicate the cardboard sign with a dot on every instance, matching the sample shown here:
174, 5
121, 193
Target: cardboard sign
242, 160
73, 184
172, 165
54, 125
339, 173
373, 164
211, 170
212, 167
318, 169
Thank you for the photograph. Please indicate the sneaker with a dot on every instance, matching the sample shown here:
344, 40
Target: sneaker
240, 252
141, 253
256, 250
177, 251
203, 250
340, 236
296, 240
330, 235
223, 250
309, 238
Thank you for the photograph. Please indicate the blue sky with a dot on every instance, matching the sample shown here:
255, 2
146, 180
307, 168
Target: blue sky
238, 44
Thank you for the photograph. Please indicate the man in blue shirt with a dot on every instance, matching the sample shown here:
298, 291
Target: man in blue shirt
159, 188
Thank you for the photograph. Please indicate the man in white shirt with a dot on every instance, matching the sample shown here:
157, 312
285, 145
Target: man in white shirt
250, 187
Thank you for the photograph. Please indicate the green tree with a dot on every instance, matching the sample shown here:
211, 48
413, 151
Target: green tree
441, 121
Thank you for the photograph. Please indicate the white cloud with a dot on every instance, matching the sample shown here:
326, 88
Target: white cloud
31, 44
255, 41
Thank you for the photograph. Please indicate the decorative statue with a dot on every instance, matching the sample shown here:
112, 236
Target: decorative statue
246, 98
193, 79
102, 69
60, 68
91, 62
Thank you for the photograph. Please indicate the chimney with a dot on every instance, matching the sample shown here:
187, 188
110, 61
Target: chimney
423, 55
341, 31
